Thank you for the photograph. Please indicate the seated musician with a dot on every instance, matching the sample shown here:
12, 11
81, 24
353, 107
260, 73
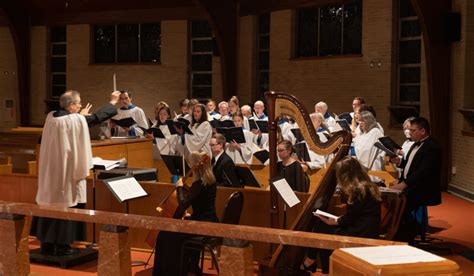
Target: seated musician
241, 153
201, 197
290, 169
222, 165
366, 153
363, 211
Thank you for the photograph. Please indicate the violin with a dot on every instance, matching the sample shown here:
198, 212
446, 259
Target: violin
169, 205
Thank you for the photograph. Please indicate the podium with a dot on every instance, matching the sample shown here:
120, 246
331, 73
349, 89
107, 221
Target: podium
389, 260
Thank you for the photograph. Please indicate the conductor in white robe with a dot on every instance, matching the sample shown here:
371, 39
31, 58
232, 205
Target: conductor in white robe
64, 164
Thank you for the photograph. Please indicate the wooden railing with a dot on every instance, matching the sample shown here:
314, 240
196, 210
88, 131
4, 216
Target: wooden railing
14, 243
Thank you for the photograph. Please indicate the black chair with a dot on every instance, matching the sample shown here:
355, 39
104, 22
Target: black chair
231, 215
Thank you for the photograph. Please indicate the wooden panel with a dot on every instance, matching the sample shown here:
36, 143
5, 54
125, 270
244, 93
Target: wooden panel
28, 188
140, 154
111, 152
10, 188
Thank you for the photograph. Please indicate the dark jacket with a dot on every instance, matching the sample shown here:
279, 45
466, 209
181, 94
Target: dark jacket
423, 179
224, 171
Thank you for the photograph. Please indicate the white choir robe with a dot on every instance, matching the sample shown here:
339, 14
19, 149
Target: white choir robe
358, 131
331, 123
65, 161
137, 114
200, 139
287, 134
165, 145
366, 152
244, 156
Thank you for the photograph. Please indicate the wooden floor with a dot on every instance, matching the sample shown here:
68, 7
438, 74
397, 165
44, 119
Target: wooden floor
452, 222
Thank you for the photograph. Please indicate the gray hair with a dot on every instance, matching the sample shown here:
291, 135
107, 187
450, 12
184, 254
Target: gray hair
368, 118
318, 116
407, 121
67, 98
322, 105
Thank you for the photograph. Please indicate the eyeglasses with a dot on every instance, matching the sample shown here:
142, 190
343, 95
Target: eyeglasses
281, 150
211, 145
413, 129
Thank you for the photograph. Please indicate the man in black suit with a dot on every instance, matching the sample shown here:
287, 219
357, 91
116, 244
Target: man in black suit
420, 179
222, 165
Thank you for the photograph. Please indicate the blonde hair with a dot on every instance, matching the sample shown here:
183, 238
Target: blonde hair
354, 180
203, 171
318, 116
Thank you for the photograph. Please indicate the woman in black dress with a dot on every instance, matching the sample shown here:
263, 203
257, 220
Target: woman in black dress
290, 169
201, 197
363, 211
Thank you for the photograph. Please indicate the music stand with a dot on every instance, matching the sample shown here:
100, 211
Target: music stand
246, 177
286, 193
175, 164
126, 188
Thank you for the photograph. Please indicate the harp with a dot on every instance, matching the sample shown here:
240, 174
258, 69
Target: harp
290, 257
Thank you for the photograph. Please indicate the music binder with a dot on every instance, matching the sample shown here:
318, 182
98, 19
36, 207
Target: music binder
344, 124
179, 124
226, 123
301, 150
101, 164
262, 125
387, 151
232, 133
157, 133
285, 191
175, 163
389, 143
246, 177
345, 116
262, 155
298, 135
125, 122
252, 124
125, 188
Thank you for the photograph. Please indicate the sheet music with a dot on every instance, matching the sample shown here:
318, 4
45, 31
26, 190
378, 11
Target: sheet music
126, 188
107, 164
286, 192
324, 214
392, 254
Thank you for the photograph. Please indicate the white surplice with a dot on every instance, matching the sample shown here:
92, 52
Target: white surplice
65, 161
137, 114
244, 156
200, 139
366, 152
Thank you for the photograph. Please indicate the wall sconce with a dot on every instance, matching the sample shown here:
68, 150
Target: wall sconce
5, 73
371, 64
379, 63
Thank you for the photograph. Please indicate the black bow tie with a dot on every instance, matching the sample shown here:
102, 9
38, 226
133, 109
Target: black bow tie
416, 144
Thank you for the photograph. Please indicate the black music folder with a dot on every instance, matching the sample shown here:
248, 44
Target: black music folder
246, 177
226, 123
125, 188
252, 124
175, 164
301, 150
344, 124
298, 135
262, 155
232, 133
125, 122
179, 124
385, 149
345, 116
262, 125
389, 143
157, 133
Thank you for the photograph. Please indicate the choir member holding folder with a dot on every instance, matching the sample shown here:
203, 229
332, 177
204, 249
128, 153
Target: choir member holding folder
366, 153
128, 110
362, 218
240, 151
200, 136
164, 141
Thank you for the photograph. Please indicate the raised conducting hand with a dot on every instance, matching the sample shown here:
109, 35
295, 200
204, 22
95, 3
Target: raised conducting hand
114, 97
86, 110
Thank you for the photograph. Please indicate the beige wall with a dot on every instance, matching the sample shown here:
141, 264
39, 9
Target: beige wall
8, 79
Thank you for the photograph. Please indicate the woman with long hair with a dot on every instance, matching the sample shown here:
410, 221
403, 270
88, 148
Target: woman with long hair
201, 196
362, 218
366, 153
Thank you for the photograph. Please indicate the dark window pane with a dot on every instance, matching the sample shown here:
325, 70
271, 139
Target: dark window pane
264, 23
200, 29
57, 90
202, 79
201, 63
410, 75
410, 28
409, 93
263, 60
264, 42
127, 43
406, 9
263, 80
410, 51
202, 45
307, 32
352, 36
58, 64
58, 79
330, 32
150, 36
58, 34
58, 49
104, 44
202, 92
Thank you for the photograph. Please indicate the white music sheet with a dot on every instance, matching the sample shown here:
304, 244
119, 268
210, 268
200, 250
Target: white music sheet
126, 188
286, 192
